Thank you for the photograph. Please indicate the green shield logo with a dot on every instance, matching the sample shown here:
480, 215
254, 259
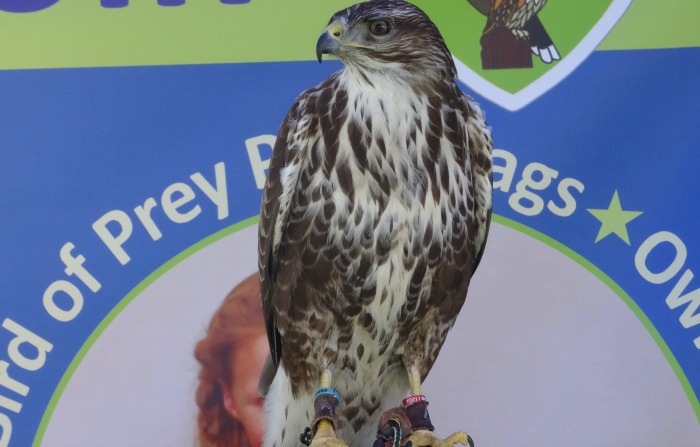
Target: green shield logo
513, 51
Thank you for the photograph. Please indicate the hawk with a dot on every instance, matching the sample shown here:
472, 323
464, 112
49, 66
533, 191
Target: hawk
373, 220
513, 31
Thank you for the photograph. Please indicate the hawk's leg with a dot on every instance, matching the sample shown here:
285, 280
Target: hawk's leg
416, 409
324, 423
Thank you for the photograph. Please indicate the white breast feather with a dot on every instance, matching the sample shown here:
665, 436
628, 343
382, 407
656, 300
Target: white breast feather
404, 218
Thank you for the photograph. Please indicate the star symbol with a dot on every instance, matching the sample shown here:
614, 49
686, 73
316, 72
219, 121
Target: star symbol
614, 220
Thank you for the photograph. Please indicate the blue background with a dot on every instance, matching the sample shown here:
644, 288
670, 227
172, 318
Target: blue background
77, 143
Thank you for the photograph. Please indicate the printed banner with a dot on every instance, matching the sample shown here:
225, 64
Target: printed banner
134, 142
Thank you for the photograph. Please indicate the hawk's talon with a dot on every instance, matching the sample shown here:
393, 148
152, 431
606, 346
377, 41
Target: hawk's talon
327, 442
425, 438
325, 436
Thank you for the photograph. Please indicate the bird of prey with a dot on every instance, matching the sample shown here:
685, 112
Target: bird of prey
520, 18
374, 217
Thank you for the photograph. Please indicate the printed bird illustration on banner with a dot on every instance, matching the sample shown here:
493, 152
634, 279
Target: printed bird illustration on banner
513, 51
513, 33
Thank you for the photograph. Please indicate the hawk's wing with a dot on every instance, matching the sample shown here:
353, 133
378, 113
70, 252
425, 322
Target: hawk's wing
270, 221
282, 216
454, 269
480, 149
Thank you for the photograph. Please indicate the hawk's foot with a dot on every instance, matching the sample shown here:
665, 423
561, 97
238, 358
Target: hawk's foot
325, 436
416, 410
425, 438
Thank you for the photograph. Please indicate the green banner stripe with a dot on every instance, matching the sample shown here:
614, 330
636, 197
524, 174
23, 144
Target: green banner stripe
78, 33
74, 33
656, 24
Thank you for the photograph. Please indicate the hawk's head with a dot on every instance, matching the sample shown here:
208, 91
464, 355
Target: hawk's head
387, 34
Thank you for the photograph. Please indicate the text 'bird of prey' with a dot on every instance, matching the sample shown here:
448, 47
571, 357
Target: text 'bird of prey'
374, 218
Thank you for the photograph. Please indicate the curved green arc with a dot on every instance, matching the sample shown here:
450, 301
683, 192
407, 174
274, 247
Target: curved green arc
254, 220
631, 304
150, 279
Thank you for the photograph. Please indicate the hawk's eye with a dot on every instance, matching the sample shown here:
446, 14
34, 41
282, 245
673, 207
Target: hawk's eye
379, 27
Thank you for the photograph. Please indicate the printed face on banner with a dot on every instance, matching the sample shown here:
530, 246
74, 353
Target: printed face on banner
513, 51
231, 356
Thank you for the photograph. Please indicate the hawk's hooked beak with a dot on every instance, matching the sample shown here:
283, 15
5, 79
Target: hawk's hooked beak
329, 42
